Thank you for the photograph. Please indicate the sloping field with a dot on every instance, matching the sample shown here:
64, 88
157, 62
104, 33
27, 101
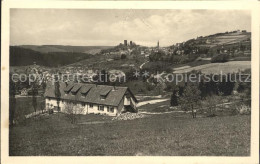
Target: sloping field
159, 135
216, 68
228, 39
234, 38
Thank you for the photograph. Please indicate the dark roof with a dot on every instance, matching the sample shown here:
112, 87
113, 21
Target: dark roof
76, 88
89, 93
85, 88
68, 88
105, 90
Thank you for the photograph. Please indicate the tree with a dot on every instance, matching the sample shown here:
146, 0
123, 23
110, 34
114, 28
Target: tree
34, 95
174, 98
12, 101
72, 110
211, 103
57, 93
190, 97
123, 56
220, 58
226, 86
69, 110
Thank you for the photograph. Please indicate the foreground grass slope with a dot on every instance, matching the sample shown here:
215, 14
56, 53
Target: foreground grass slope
163, 134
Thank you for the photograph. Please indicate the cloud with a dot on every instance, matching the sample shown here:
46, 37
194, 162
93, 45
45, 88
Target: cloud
110, 27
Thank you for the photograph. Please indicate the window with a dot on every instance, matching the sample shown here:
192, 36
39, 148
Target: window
91, 105
101, 108
102, 97
83, 95
111, 109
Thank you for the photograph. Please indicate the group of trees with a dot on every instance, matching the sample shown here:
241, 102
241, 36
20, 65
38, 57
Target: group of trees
220, 58
12, 100
189, 94
161, 56
33, 85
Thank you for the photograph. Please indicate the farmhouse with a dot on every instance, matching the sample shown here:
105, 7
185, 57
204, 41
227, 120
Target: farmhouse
91, 98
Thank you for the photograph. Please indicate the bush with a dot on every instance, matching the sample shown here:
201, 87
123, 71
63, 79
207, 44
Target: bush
244, 109
123, 56
220, 58
50, 111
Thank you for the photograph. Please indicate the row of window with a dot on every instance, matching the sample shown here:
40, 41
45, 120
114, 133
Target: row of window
100, 107
109, 108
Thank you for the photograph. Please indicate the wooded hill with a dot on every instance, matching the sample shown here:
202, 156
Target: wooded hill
21, 57
65, 48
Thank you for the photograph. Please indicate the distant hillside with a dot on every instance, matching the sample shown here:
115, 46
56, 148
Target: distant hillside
21, 57
233, 42
62, 48
219, 39
226, 38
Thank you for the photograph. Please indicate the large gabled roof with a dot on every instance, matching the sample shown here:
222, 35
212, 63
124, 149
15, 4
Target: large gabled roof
89, 93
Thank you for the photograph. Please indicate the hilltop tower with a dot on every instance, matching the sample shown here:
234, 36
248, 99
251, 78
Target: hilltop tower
158, 44
125, 42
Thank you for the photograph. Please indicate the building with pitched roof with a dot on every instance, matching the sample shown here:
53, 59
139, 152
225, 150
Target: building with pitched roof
91, 98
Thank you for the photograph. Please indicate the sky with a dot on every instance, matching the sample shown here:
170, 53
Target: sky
109, 27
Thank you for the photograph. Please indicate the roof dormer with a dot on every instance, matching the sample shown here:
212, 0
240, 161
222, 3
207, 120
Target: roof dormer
75, 89
104, 93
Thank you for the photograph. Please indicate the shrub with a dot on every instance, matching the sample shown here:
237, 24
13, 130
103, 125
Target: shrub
123, 56
244, 109
220, 58
174, 98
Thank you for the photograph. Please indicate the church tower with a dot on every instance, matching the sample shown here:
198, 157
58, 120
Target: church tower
158, 44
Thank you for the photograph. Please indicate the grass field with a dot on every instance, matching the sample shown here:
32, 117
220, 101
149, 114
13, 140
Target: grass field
216, 68
24, 106
163, 134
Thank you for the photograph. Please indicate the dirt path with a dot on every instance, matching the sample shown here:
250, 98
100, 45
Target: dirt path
94, 122
151, 102
163, 112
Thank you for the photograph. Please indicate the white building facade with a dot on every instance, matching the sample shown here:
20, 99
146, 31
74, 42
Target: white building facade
99, 99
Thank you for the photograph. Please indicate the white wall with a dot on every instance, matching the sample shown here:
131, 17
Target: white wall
80, 108
127, 101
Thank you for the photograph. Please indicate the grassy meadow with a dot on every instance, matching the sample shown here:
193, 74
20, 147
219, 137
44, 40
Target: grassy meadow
228, 67
159, 135
24, 106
